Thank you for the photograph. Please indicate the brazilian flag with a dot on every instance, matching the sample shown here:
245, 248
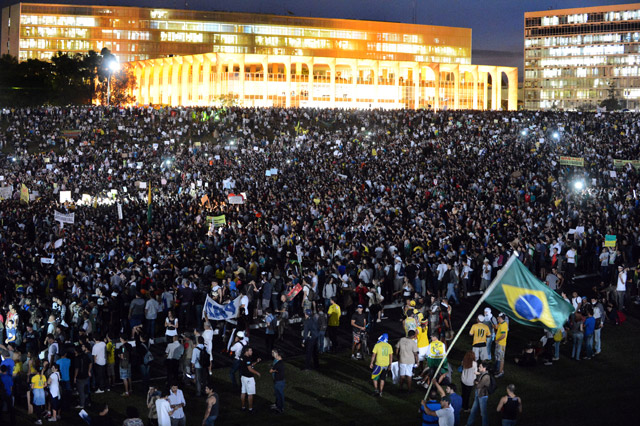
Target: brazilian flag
525, 299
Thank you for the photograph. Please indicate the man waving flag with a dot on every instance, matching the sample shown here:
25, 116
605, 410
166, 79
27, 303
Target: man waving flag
519, 294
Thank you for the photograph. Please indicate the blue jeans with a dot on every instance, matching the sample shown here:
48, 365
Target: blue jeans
278, 389
588, 340
556, 345
489, 342
506, 422
598, 342
577, 345
211, 420
451, 292
234, 369
151, 328
321, 341
479, 403
144, 370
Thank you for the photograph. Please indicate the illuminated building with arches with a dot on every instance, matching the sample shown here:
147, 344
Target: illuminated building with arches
185, 57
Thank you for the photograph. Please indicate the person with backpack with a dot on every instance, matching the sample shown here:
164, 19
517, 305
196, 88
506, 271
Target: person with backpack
144, 353
484, 385
200, 361
272, 327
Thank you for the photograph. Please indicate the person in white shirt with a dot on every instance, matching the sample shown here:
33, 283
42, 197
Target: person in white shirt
163, 408
54, 389
207, 335
486, 275
571, 263
177, 402
99, 353
151, 309
621, 287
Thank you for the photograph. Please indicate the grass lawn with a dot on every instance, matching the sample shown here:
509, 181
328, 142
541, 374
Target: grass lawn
588, 392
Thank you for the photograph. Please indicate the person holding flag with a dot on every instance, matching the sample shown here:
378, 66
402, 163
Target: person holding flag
522, 297
381, 359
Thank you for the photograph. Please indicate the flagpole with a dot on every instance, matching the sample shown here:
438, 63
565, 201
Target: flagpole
486, 294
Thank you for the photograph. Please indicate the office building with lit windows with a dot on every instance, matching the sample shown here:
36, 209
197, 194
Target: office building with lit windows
185, 57
571, 56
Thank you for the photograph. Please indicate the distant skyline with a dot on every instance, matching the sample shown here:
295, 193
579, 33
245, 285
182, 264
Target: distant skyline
497, 25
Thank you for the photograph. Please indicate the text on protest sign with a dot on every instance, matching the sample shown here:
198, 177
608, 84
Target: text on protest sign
64, 218
217, 312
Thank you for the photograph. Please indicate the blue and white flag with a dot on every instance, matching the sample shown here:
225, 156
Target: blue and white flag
217, 312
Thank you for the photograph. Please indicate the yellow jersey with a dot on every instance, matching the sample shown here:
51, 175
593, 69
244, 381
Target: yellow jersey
436, 350
39, 381
423, 337
111, 355
480, 334
383, 353
334, 315
503, 330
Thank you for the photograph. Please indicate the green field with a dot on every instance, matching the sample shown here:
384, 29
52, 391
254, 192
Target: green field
589, 392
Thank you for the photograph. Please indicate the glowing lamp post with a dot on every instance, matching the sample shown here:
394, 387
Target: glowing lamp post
113, 66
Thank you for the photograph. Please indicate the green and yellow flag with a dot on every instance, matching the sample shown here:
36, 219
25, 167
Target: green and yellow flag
525, 299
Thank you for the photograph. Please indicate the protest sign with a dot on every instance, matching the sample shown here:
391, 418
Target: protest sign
571, 161
217, 312
65, 196
64, 218
6, 192
610, 240
618, 164
235, 199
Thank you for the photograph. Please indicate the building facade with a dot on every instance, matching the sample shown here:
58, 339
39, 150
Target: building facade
183, 57
573, 57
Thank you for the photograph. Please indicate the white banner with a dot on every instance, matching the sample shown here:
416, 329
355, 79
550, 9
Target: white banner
120, 211
217, 312
46, 260
64, 218
6, 192
235, 199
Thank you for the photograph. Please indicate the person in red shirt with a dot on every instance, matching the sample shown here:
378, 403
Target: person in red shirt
361, 292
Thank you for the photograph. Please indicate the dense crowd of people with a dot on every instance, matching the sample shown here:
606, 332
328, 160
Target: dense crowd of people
333, 213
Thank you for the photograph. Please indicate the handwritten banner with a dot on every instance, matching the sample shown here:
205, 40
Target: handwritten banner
64, 218
217, 312
571, 161
618, 164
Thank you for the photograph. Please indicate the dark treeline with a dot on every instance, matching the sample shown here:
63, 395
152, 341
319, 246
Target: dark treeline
77, 79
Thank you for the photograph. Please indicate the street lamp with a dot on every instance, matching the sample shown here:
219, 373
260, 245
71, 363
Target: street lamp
113, 66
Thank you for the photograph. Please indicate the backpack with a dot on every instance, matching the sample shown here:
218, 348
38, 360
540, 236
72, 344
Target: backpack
492, 384
312, 296
148, 356
273, 325
204, 358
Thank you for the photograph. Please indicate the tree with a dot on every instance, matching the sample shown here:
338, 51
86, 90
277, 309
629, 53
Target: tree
123, 83
611, 103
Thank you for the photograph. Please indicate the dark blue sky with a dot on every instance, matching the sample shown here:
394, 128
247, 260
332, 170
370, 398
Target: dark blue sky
497, 24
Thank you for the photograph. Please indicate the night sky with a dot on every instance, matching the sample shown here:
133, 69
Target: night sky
497, 24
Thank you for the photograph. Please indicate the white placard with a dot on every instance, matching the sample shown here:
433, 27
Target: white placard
65, 196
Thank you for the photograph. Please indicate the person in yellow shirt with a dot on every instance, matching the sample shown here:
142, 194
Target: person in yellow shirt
480, 333
111, 363
381, 359
435, 351
423, 342
333, 323
501, 342
38, 382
